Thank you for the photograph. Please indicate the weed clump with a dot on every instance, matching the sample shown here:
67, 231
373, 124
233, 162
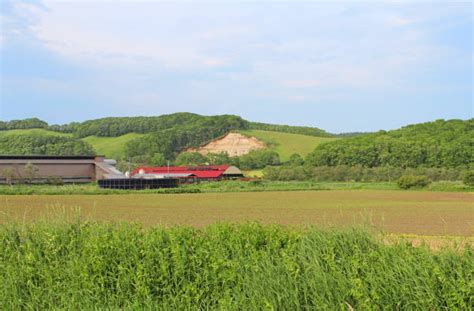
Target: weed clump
411, 181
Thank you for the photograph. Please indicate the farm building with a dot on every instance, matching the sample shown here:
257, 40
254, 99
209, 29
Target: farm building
189, 173
68, 169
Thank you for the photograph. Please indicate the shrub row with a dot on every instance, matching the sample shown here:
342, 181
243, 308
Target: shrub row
358, 173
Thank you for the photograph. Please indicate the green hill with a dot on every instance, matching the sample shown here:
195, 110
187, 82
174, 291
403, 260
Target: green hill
286, 143
432, 144
143, 138
111, 147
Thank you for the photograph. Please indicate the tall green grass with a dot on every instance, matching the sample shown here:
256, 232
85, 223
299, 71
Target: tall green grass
229, 267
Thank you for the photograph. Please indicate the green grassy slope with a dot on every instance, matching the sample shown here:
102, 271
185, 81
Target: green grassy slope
286, 144
42, 132
111, 147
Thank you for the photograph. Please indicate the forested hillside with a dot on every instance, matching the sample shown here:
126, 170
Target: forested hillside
433, 144
112, 127
43, 145
169, 142
140, 137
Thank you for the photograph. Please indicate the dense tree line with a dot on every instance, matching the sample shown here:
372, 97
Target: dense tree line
433, 144
43, 145
65, 128
23, 124
344, 173
351, 134
111, 127
303, 130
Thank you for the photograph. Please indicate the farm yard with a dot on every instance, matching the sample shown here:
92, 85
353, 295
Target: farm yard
414, 212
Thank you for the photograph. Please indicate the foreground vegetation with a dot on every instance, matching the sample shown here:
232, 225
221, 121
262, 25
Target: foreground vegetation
250, 267
227, 186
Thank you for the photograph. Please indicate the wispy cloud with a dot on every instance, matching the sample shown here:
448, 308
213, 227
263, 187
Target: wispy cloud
203, 55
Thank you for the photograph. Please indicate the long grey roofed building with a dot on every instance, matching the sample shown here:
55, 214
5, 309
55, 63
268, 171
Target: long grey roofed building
70, 169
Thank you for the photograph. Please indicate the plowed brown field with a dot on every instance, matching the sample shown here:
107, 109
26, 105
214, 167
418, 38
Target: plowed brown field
423, 213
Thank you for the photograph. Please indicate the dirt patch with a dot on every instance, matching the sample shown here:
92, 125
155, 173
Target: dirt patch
435, 243
234, 144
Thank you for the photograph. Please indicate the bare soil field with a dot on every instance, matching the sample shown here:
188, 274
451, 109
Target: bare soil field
421, 213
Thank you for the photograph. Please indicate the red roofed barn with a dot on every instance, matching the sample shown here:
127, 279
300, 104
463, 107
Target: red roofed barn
210, 172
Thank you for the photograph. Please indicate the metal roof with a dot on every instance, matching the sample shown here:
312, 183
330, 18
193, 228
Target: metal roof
46, 157
160, 175
212, 171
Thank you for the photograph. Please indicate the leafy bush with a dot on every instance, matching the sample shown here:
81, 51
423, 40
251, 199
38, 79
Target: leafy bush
296, 160
157, 160
55, 180
259, 159
191, 159
469, 178
410, 181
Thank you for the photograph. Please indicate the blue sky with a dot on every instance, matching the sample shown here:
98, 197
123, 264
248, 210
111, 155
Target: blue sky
342, 66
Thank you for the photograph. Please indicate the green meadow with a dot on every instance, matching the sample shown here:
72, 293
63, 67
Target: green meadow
286, 143
111, 147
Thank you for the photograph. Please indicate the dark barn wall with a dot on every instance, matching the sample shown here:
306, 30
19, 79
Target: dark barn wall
70, 170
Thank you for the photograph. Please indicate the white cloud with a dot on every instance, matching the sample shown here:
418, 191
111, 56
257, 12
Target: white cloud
265, 46
398, 21
301, 83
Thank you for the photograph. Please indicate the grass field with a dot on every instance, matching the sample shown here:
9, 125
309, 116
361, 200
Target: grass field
424, 213
286, 144
111, 147
90, 266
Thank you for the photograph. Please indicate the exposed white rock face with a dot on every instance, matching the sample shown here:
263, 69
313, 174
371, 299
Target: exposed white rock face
235, 144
